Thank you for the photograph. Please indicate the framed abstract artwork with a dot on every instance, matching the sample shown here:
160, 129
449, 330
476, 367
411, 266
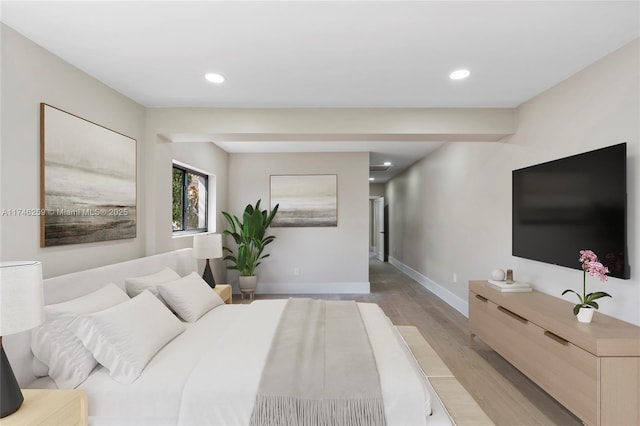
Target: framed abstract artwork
305, 200
88, 180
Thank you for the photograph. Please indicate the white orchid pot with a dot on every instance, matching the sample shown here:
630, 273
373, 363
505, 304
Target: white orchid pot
585, 314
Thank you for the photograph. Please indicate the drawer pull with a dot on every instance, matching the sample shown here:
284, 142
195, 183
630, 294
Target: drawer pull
555, 337
482, 299
513, 315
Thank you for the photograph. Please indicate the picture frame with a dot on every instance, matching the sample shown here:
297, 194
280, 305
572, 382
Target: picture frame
304, 200
88, 180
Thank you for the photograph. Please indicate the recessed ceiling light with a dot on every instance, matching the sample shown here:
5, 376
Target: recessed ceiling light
214, 78
372, 178
387, 163
459, 74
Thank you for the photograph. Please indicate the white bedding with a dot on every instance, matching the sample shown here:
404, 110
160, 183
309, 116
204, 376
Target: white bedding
155, 398
210, 374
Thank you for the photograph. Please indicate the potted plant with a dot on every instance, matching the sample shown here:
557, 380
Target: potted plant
584, 310
250, 239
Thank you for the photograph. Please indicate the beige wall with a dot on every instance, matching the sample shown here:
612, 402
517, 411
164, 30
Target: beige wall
451, 212
31, 75
329, 259
203, 156
376, 189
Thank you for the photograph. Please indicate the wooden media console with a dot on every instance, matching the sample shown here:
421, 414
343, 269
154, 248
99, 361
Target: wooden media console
592, 369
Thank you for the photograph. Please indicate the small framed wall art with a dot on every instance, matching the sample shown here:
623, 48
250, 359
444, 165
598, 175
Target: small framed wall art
305, 200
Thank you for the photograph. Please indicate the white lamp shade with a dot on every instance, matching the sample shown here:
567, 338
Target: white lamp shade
207, 246
21, 296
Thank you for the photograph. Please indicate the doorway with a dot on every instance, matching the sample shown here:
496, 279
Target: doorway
378, 228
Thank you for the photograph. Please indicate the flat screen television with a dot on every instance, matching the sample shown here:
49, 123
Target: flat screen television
572, 204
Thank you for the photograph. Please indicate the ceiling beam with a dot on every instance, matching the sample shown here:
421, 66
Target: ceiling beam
331, 124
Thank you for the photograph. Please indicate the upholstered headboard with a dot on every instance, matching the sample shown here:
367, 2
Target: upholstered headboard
69, 286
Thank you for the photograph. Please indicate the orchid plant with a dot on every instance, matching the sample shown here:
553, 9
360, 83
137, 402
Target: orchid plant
591, 265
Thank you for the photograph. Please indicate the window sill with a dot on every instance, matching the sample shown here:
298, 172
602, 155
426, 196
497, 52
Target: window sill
181, 234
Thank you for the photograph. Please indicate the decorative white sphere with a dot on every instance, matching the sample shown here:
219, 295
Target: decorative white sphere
497, 274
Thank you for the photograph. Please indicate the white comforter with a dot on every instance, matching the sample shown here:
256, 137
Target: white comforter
209, 375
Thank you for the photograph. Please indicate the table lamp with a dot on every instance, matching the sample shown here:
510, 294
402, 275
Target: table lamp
21, 308
207, 246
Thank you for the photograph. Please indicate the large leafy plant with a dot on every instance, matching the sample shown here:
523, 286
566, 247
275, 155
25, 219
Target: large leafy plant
591, 265
249, 236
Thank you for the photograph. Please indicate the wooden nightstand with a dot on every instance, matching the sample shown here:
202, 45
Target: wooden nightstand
41, 407
224, 291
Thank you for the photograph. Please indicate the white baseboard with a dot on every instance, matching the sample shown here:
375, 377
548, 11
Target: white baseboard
443, 293
312, 288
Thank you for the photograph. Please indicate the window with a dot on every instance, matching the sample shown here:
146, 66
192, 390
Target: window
190, 200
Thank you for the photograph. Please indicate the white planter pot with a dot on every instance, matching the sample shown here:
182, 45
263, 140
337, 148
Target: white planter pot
585, 314
248, 284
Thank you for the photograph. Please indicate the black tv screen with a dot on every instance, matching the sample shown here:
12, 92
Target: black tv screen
572, 204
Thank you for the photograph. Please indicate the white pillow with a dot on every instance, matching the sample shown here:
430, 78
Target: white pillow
125, 337
98, 300
136, 285
40, 369
60, 353
190, 297
69, 363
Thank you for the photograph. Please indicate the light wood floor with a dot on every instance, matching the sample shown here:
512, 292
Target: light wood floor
506, 395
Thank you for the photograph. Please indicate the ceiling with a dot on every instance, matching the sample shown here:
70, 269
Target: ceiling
328, 53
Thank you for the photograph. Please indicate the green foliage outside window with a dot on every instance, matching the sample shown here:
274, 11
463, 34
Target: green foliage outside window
189, 208
178, 196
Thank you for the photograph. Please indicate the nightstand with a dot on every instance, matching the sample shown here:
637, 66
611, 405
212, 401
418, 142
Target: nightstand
224, 291
41, 407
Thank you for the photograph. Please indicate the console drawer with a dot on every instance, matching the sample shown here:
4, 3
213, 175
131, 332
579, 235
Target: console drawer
556, 362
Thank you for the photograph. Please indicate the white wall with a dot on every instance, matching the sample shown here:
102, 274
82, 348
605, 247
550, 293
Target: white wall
451, 212
329, 259
31, 75
203, 156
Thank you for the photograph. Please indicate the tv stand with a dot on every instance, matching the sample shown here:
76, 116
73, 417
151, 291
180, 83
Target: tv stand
592, 369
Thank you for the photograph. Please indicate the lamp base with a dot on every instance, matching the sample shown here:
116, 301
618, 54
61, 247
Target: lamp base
10, 394
208, 276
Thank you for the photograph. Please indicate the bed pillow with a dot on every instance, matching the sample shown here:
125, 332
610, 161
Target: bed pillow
57, 351
103, 298
190, 297
40, 369
136, 285
67, 361
125, 337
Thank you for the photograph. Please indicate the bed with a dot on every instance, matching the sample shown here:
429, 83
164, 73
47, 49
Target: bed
209, 373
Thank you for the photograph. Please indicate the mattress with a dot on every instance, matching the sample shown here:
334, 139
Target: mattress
209, 374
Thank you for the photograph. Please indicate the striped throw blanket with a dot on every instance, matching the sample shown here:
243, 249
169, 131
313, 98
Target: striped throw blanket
320, 370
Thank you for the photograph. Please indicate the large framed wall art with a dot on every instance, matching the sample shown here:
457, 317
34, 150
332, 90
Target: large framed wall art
305, 200
88, 180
